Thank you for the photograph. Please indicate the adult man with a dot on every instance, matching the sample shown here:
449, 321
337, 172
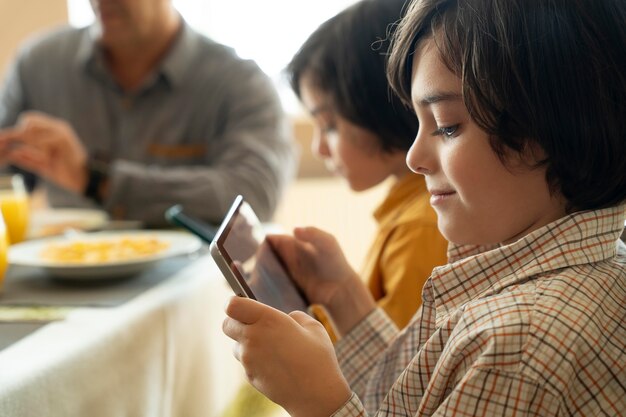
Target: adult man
139, 112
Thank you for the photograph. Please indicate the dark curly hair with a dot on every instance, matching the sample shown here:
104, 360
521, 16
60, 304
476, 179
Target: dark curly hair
346, 58
548, 71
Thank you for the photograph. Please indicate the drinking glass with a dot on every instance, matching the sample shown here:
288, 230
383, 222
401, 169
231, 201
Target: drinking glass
15, 207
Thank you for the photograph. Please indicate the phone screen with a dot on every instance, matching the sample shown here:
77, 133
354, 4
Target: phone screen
251, 259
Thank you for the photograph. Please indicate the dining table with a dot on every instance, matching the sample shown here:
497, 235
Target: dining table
146, 345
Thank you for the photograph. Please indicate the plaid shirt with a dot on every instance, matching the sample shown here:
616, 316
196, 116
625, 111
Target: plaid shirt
534, 328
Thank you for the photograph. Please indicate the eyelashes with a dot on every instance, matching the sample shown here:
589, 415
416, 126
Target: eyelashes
331, 128
446, 131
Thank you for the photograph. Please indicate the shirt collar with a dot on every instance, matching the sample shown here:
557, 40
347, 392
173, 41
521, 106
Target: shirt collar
87, 46
172, 68
552, 247
403, 192
180, 56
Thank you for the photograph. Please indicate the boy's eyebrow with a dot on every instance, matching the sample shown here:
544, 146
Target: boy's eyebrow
437, 97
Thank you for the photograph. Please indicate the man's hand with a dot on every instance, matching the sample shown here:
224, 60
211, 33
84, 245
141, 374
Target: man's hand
47, 147
289, 358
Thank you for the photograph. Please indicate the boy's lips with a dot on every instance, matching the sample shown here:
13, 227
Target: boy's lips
440, 195
332, 167
441, 191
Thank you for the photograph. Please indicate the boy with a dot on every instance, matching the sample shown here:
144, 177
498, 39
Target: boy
522, 110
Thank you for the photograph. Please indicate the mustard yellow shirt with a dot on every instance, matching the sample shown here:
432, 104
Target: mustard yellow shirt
406, 248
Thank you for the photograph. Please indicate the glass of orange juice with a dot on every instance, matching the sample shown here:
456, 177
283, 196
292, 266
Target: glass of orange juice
15, 207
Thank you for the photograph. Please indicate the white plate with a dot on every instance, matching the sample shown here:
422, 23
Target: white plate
29, 254
51, 222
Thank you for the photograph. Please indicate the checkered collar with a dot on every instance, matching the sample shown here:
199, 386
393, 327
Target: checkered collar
476, 272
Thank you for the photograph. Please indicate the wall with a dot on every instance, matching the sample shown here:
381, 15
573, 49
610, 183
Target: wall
21, 18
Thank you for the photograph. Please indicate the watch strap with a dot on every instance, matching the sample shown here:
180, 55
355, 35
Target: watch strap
97, 174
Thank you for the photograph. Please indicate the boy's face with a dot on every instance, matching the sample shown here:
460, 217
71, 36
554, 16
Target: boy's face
348, 150
478, 200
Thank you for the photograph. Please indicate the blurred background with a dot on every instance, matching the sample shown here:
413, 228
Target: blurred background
258, 30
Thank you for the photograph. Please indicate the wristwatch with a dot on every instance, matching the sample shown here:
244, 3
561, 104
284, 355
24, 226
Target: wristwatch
97, 174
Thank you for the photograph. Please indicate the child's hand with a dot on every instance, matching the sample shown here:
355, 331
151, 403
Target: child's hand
316, 262
289, 358
319, 267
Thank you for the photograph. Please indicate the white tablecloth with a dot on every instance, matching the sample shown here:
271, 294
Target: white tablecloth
162, 354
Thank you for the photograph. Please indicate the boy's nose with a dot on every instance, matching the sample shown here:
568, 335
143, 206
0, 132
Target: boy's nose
420, 158
319, 146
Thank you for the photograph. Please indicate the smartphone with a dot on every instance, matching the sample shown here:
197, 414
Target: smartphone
249, 262
175, 215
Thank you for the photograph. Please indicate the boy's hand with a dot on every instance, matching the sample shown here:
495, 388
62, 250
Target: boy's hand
315, 261
319, 267
289, 358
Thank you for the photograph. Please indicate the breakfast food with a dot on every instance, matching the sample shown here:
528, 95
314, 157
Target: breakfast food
105, 250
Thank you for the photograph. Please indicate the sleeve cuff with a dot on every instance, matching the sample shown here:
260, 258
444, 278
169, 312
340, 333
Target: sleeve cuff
352, 408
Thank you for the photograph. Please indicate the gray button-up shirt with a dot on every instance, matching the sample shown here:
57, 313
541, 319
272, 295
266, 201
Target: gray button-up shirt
204, 127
